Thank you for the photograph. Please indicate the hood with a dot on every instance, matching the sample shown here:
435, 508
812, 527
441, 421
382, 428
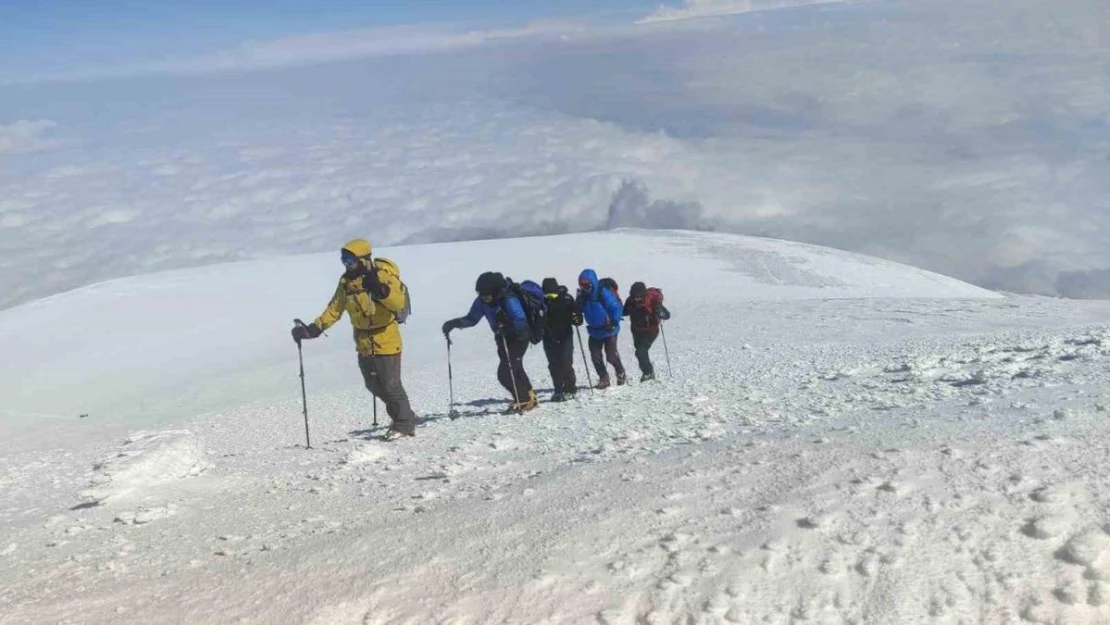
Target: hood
550, 286
639, 289
591, 276
361, 248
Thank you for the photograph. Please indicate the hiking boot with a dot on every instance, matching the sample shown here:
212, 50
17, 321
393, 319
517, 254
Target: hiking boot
532, 402
647, 377
603, 383
621, 379
559, 397
392, 435
529, 404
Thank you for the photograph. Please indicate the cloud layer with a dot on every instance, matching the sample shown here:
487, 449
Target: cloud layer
27, 135
966, 138
692, 9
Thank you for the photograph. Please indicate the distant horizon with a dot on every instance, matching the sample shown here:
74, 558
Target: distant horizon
71, 40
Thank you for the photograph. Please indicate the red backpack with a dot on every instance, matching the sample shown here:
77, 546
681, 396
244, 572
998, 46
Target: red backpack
652, 297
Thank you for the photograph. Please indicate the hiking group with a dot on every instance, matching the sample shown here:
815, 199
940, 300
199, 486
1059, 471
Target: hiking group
521, 314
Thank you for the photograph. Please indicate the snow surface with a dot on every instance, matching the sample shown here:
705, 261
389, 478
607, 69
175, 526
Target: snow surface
844, 440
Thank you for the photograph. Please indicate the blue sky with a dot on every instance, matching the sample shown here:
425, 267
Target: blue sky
51, 36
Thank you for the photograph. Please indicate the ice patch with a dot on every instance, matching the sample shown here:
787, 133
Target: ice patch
148, 459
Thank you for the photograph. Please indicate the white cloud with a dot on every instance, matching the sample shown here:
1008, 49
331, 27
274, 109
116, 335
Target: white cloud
27, 136
239, 188
315, 48
333, 46
692, 9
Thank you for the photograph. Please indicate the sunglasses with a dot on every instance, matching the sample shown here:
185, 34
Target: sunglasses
349, 260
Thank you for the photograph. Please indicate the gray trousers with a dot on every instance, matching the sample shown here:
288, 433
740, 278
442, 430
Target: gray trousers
382, 375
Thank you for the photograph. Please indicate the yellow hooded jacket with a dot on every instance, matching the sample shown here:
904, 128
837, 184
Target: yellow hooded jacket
375, 323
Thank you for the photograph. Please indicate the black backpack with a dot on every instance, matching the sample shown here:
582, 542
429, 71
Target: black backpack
532, 301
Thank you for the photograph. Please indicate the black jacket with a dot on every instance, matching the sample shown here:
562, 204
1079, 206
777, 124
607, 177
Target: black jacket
562, 313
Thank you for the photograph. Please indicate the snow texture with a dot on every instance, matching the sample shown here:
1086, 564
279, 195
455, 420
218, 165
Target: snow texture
144, 462
840, 440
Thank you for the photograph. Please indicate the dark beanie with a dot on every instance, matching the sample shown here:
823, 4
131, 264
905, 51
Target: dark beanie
489, 283
550, 285
638, 289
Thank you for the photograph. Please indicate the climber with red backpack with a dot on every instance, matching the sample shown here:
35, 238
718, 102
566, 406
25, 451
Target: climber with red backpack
645, 311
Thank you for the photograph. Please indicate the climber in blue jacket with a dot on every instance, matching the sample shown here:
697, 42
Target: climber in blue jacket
602, 310
505, 315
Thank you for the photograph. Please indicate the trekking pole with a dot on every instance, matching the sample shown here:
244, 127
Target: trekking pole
304, 395
374, 372
512, 376
585, 363
451, 412
670, 373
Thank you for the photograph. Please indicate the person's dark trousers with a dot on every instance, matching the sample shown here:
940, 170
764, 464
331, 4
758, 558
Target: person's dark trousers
386, 386
517, 348
609, 345
559, 349
643, 340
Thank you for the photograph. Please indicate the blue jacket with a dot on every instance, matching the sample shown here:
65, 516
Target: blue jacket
518, 323
599, 308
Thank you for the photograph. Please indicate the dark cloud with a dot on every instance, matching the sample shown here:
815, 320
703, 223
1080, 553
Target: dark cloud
1089, 284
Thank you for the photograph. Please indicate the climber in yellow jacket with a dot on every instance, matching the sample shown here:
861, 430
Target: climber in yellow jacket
371, 293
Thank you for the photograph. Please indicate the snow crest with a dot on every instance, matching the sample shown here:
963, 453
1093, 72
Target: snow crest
148, 459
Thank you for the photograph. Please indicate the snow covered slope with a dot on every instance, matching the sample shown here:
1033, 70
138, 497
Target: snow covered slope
154, 343
843, 441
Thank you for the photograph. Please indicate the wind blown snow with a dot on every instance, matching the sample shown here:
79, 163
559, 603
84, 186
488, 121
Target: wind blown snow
840, 440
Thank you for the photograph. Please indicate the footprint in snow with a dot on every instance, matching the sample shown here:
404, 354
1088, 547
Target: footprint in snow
143, 516
365, 453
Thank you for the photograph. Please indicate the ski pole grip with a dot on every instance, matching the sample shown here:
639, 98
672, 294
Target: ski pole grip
301, 324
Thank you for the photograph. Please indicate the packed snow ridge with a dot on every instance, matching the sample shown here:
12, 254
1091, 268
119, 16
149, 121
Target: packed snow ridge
146, 460
839, 440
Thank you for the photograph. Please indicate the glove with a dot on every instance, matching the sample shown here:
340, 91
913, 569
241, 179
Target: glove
309, 331
662, 313
576, 318
609, 325
450, 324
502, 318
373, 285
